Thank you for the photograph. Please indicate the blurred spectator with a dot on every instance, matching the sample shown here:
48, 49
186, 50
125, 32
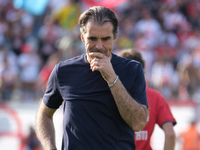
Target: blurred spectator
126, 33
190, 138
161, 76
169, 38
8, 73
174, 20
45, 72
55, 6
27, 22
149, 27
30, 142
68, 15
189, 77
193, 13
3, 27
29, 64
48, 35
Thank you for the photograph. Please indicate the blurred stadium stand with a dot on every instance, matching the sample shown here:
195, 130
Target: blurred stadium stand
36, 34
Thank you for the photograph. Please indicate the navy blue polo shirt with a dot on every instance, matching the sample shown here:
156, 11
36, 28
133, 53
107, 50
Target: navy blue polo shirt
91, 119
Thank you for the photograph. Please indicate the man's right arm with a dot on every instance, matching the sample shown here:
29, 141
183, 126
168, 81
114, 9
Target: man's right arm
45, 128
170, 136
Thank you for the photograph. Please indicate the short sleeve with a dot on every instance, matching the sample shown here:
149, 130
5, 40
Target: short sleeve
52, 97
164, 113
138, 90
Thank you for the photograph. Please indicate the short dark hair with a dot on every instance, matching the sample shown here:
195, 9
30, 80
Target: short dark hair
100, 15
133, 55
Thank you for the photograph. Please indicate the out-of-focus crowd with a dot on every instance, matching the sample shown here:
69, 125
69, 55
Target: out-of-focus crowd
167, 32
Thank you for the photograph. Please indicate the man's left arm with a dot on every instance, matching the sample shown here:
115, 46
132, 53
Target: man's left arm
133, 113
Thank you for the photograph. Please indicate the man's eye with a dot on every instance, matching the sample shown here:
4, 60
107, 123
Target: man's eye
93, 38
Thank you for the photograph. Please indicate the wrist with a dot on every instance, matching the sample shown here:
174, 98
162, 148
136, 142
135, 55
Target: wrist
112, 84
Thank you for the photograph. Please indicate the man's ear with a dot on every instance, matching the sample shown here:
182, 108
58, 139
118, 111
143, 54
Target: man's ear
82, 38
115, 38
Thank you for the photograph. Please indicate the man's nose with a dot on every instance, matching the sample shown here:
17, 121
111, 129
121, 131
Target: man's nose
99, 44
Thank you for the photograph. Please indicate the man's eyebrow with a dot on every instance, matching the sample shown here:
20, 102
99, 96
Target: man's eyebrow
104, 38
92, 37
107, 37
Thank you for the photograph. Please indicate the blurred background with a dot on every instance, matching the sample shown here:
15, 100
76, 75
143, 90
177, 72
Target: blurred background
37, 34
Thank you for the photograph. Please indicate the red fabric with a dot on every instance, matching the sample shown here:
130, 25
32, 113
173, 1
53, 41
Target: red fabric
45, 73
105, 3
159, 113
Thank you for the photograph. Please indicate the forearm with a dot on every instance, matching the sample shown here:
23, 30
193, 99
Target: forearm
45, 131
170, 136
133, 113
169, 143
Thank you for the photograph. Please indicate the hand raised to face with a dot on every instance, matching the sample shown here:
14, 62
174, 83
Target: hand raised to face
102, 63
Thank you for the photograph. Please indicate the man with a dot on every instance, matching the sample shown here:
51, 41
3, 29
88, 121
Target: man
159, 112
104, 95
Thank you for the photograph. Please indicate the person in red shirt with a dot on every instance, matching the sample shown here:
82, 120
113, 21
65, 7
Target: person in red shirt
159, 113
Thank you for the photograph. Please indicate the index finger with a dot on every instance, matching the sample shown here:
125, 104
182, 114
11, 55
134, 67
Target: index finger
96, 54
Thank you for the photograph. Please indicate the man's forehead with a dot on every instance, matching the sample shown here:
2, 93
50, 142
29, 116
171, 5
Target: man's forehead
93, 28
